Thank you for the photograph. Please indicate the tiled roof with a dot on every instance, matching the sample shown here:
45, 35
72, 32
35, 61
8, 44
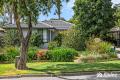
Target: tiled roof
56, 24
23, 25
59, 24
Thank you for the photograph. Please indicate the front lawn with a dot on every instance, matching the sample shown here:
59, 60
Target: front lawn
58, 67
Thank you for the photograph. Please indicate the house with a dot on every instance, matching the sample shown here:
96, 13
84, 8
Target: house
1, 31
48, 29
115, 33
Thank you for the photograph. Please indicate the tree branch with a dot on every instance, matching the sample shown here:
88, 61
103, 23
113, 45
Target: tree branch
17, 20
29, 28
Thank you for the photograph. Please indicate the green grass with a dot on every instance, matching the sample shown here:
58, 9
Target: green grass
58, 67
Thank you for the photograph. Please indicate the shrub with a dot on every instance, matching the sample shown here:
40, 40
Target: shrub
32, 53
58, 39
2, 44
2, 58
100, 47
73, 39
62, 54
11, 38
41, 54
52, 45
92, 56
11, 53
36, 39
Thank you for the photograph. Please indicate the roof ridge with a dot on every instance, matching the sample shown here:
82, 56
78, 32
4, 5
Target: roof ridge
60, 20
50, 20
67, 22
47, 24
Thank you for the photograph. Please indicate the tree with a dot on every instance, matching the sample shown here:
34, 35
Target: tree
73, 39
73, 20
29, 11
95, 16
61, 18
58, 7
117, 14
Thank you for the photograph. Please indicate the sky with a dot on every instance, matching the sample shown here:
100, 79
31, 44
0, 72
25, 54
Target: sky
67, 11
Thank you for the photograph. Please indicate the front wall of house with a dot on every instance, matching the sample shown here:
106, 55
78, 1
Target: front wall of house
1, 33
47, 35
54, 34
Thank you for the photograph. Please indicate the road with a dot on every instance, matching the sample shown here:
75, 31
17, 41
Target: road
82, 77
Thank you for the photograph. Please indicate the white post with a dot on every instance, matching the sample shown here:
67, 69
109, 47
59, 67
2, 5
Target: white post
44, 35
50, 36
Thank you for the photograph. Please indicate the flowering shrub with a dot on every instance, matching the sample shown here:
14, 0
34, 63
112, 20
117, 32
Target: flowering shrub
41, 54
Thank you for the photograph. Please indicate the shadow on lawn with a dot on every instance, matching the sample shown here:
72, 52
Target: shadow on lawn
61, 68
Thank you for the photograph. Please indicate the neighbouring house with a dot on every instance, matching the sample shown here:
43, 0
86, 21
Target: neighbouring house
1, 31
115, 33
48, 29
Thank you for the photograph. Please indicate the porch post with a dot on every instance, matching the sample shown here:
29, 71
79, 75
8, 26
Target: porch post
44, 35
50, 36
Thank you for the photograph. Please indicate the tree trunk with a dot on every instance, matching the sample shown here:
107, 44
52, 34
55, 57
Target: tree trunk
24, 47
24, 40
23, 56
59, 16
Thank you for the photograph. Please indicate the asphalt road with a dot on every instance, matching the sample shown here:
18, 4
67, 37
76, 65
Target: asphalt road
82, 77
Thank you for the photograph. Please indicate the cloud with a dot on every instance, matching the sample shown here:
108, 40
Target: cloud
67, 11
116, 1
70, 4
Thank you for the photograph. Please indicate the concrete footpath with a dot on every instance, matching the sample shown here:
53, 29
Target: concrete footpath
81, 77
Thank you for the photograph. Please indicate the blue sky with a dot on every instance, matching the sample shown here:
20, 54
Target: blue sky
67, 11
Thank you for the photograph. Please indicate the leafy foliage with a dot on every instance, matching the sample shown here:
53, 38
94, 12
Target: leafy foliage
95, 16
27, 11
2, 44
36, 39
100, 47
58, 39
32, 53
57, 42
41, 54
117, 14
52, 45
11, 53
11, 38
62, 54
73, 39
